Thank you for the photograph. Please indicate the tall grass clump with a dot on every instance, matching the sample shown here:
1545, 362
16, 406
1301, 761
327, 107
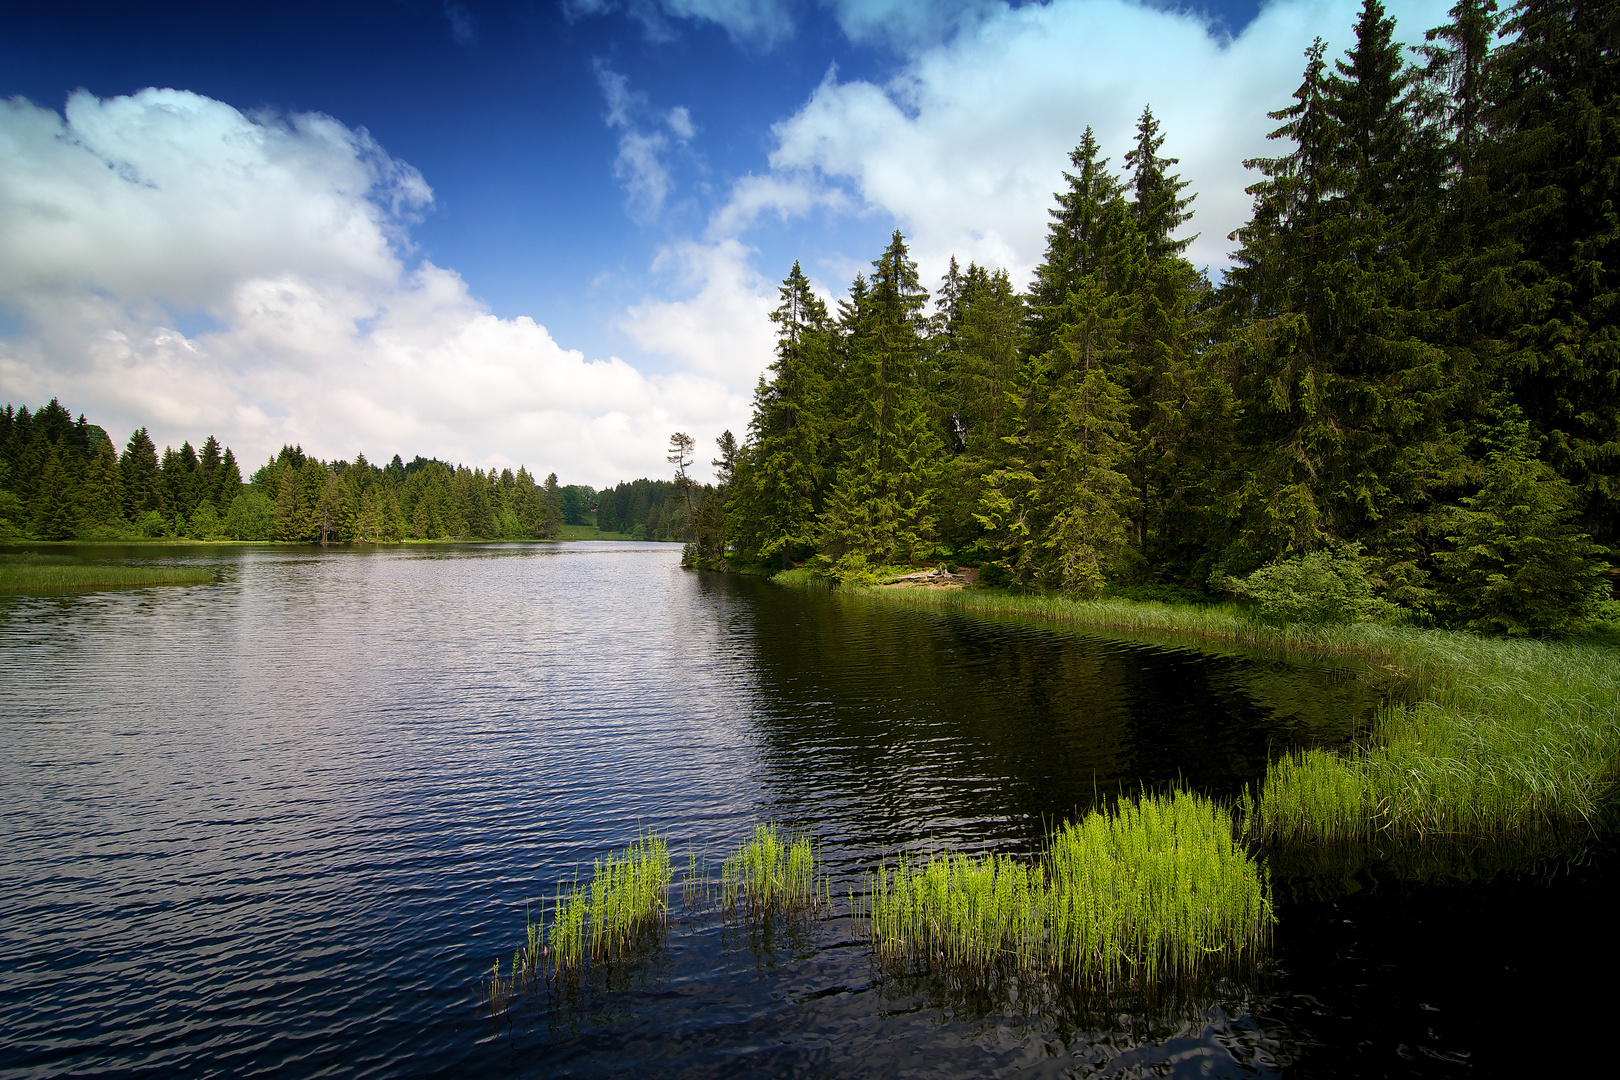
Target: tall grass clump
774, 870
613, 915
1154, 890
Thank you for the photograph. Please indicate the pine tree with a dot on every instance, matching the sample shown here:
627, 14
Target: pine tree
1087, 494
1521, 565
1080, 240
103, 513
138, 472
552, 520
57, 499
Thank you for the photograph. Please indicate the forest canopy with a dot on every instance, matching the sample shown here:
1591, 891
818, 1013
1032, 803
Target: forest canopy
1409, 380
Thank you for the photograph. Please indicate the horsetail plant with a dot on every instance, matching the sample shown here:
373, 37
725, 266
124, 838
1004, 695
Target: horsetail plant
774, 870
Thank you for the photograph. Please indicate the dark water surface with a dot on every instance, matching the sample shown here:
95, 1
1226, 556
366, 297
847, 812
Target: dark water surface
282, 825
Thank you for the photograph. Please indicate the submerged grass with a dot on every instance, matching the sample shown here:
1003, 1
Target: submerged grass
48, 575
774, 870
1156, 889
1509, 738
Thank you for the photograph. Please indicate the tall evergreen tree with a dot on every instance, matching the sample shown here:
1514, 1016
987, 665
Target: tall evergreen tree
1556, 112
880, 507
138, 473
1157, 204
782, 470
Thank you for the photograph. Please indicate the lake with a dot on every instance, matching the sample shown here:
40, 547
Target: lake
282, 825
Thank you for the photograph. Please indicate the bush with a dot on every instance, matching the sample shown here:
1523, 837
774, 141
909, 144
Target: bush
995, 575
205, 523
853, 569
1326, 586
151, 524
249, 516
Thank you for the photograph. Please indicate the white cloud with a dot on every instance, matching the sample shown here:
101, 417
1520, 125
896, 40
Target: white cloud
640, 164
906, 24
463, 23
760, 24
966, 144
723, 329
679, 120
126, 216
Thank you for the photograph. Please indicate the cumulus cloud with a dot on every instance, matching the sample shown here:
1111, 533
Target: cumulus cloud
905, 24
966, 143
723, 329
122, 218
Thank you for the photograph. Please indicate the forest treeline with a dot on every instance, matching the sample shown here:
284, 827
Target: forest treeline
63, 479
1406, 388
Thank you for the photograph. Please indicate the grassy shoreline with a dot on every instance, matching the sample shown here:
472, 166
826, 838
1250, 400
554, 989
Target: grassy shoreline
1507, 738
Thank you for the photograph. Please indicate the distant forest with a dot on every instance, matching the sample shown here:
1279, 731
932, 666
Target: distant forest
63, 479
1408, 382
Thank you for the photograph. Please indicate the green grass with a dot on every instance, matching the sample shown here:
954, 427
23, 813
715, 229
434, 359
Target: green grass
589, 532
47, 574
1507, 738
607, 919
1155, 890
773, 871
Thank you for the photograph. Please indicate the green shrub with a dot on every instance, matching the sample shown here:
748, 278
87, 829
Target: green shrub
1326, 586
250, 516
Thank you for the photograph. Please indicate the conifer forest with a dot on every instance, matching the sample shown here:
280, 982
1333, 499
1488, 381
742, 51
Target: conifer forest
1407, 385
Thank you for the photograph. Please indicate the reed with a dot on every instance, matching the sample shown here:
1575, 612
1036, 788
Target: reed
51, 576
610, 917
774, 870
1155, 889
1507, 738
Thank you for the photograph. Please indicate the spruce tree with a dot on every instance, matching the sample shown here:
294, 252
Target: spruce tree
103, 513
57, 498
1552, 167
782, 472
881, 503
1521, 564
1157, 204
138, 473
551, 522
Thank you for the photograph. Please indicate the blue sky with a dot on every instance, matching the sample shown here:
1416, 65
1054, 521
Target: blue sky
549, 232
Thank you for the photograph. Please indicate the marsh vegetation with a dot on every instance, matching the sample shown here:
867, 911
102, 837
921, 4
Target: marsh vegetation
35, 573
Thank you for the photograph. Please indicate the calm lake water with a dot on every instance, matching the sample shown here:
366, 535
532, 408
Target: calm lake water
282, 825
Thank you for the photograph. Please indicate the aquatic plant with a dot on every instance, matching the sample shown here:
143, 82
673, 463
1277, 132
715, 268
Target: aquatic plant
774, 870
609, 917
45, 576
963, 912
498, 990
1154, 889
